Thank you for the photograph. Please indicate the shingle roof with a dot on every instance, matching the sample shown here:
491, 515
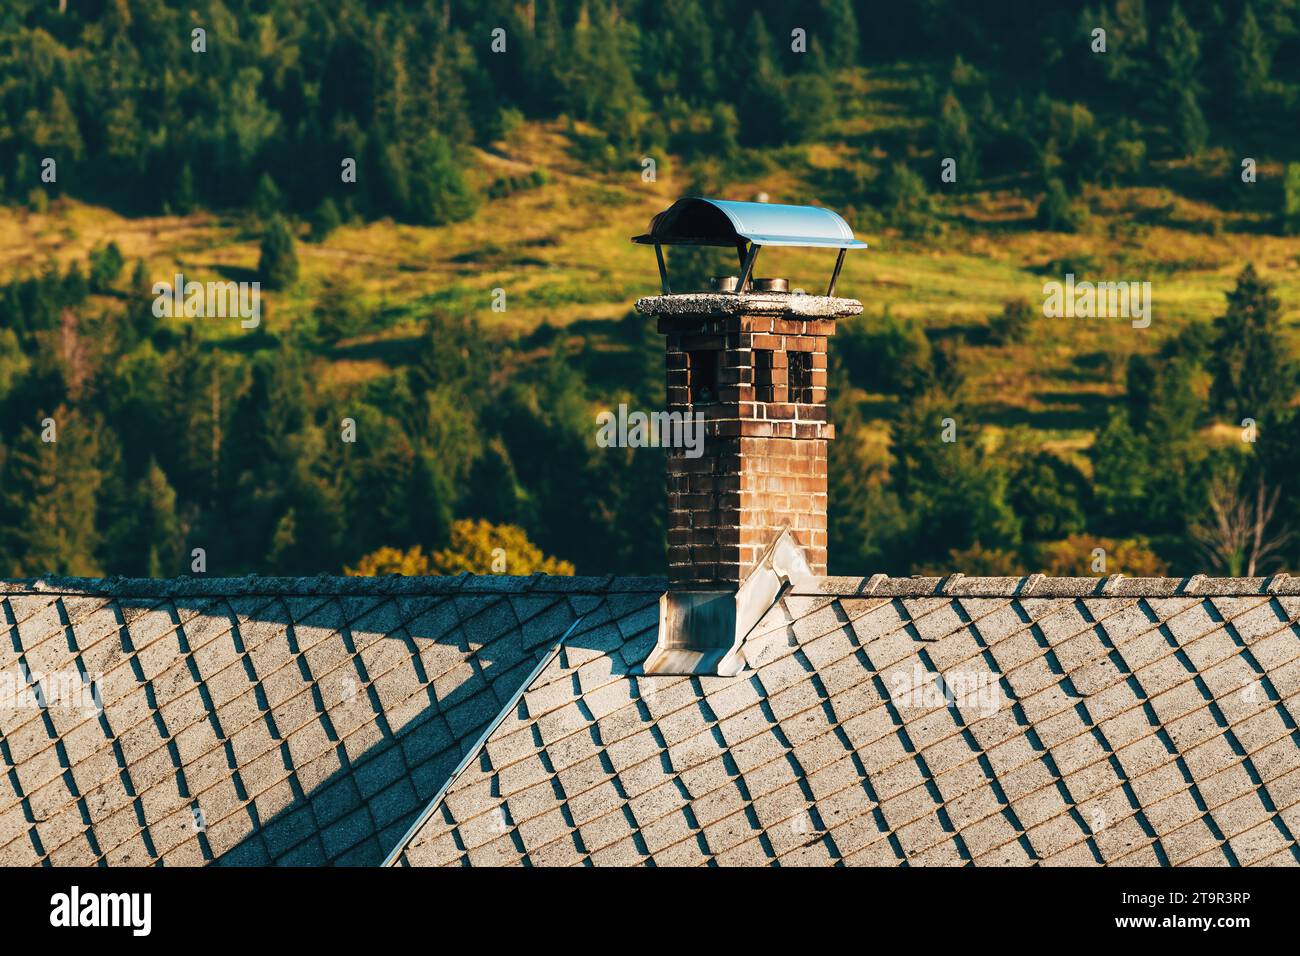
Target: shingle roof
1130, 721
258, 720
1137, 727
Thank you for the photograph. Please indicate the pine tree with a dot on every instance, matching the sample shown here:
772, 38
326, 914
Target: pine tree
906, 203
1166, 392
146, 539
954, 138
325, 219
1189, 124
183, 198
106, 264
1057, 212
284, 541
49, 499
678, 51
1013, 323
141, 323
1048, 494
1249, 57
885, 354
1179, 51
494, 492
1126, 30
54, 129
809, 101
841, 26
1291, 200
278, 264
1253, 374
1121, 474
954, 495
266, 198
763, 95
439, 191
13, 362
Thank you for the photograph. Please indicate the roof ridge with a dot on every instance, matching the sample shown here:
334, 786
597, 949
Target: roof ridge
326, 585
875, 585
1046, 586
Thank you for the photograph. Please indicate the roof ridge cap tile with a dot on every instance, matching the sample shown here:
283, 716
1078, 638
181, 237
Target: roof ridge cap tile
1032, 586
325, 584
1036, 586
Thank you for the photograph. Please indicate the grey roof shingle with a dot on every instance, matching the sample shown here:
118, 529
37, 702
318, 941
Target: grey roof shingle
255, 720
934, 722
1000, 721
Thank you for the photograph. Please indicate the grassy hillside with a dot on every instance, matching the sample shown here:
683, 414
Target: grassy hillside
560, 251
437, 339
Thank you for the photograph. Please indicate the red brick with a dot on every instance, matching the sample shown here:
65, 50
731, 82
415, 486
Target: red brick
765, 460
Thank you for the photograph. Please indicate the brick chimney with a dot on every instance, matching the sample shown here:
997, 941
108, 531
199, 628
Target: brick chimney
756, 369
748, 514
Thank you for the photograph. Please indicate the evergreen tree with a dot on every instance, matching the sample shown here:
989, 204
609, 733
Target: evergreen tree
325, 219
1126, 32
75, 285
954, 496
105, 266
49, 499
147, 539
13, 363
906, 203
54, 130
1057, 212
1254, 376
140, 323
763, 95
1189, 124
1291, 200
1013, 323
1121, 475
439, 191
494, 492
1178, 49
809, 101
284, 542
885, 355
840, 26
267, 200
1279, 466
1049, 495
1166, 393
183, 196
677, 48
278, 264
1249, 57
954, 138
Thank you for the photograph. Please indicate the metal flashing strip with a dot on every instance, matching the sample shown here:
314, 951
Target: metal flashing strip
474, 751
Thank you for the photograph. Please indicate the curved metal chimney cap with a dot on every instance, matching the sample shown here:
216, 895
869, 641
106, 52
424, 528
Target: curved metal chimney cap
724, 222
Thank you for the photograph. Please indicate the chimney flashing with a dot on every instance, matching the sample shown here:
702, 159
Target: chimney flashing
703, 632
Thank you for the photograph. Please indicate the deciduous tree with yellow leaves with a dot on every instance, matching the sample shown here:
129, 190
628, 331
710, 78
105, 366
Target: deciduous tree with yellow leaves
479, 547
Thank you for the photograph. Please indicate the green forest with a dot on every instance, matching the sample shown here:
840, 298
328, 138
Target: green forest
221, 134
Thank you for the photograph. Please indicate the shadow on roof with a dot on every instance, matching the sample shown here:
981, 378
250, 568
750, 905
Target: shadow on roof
293, 730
